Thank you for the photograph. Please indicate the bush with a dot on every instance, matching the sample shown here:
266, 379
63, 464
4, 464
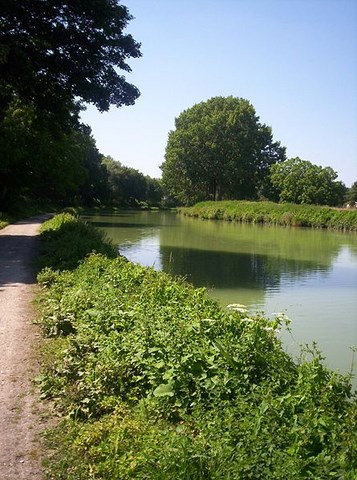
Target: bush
67, 239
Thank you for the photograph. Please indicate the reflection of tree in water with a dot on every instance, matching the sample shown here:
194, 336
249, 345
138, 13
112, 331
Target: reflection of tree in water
238, 270
225, 255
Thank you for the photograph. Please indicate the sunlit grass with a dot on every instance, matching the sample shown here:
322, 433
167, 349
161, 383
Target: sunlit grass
270, 213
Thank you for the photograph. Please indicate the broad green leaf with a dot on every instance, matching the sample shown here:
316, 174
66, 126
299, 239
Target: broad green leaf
164, 390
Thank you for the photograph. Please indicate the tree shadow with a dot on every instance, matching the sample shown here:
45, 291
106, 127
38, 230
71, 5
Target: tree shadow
17, 254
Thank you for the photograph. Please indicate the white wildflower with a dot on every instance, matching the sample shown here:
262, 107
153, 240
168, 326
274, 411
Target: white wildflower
238, 307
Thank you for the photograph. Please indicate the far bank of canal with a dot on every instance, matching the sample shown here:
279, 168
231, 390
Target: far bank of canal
311, 275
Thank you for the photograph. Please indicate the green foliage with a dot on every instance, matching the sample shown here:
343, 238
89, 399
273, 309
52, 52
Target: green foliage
159, 382
154, 192
45, 161
351, 194
66, 240
128, 187
4, 220
299, 181
276, 214
65, 54
128, 444
55, 57
218, 150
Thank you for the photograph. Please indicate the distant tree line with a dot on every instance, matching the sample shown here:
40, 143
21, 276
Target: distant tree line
351, 195
127, 186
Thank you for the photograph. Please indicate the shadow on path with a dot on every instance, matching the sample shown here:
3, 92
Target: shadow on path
18, 248
16, 259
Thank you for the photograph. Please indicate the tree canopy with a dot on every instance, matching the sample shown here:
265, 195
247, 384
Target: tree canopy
55, 55
219, 150
127, 186
39, 163
300, 181
351, 194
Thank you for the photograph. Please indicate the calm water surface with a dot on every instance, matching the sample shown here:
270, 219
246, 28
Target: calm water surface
310, 275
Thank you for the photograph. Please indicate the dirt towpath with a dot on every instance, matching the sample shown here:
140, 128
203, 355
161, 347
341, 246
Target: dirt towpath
20, 410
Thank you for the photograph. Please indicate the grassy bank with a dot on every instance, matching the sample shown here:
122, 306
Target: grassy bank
285, 214
155, 381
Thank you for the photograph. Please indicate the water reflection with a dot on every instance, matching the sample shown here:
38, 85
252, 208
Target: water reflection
225, 256
221, 270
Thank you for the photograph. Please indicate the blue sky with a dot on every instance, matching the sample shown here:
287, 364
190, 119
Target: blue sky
294, 60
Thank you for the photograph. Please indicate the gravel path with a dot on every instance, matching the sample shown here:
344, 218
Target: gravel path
21, 414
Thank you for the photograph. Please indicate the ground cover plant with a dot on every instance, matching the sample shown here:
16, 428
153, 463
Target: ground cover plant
285, 214
154, 380
4, 220
66, 240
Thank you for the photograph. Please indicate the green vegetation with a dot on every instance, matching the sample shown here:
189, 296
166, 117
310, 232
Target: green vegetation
299, 181
56, 57
66, 240
24, 208
219, 150
285, 214
4, 220
65, 55
62, 166
130, 188
156, 381
351, 195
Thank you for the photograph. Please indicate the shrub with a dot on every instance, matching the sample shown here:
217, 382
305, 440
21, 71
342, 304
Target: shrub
66, 240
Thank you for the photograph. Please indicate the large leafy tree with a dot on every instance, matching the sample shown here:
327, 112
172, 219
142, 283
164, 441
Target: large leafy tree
93, 187
55, 54
37, 163
300, 181
219, 150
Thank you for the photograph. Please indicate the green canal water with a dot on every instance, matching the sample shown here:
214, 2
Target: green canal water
310, 275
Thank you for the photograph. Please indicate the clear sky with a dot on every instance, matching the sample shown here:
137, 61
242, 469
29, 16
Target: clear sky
294, 60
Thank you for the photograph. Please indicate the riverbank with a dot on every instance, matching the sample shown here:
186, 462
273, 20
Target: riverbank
155, 380
284, 214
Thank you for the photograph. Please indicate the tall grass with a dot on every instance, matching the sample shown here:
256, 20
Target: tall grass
156, 381
285, 214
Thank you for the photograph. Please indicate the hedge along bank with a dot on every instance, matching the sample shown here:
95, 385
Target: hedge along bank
156, 381
270, 213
